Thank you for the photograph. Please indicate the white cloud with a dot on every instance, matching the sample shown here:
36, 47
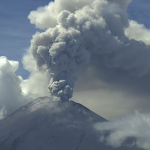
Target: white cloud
46, 16
14, 91
37, 82
135, 127
138, 32
10, 91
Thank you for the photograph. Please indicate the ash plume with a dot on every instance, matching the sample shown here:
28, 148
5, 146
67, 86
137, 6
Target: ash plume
83, 32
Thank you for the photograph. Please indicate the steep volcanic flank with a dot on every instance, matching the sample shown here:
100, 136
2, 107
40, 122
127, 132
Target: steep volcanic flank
51, 125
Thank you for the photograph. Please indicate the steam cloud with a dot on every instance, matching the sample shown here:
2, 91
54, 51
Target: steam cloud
134, 128
14, 91
79, 33
9, 82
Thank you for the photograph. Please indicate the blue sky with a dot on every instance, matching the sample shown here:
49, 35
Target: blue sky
16, 30
139, 10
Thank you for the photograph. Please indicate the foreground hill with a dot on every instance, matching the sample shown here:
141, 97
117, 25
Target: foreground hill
51, 125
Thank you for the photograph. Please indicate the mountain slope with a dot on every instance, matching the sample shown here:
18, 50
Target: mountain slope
51, 125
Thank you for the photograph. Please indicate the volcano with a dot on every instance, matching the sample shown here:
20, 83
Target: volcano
52, 125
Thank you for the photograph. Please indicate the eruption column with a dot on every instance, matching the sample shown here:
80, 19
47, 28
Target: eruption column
97, 29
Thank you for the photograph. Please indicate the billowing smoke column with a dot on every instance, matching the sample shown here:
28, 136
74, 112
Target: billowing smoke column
82, 31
